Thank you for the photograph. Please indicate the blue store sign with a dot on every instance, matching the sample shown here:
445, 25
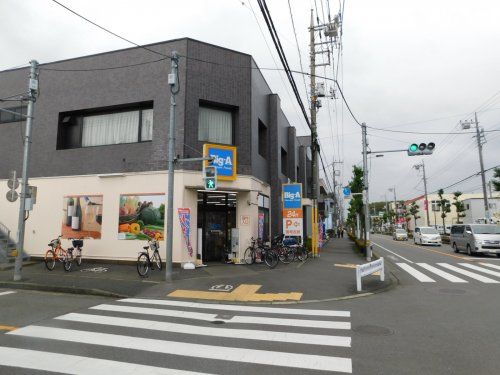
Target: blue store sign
292, 196
347, 191
225, 160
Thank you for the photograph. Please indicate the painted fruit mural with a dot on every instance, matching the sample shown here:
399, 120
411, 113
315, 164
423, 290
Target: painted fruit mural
141, 217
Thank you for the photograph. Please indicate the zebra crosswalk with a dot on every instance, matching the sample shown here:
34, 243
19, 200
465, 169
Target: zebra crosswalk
436, 272
177, 337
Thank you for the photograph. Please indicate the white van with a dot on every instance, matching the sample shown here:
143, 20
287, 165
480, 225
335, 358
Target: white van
476, 238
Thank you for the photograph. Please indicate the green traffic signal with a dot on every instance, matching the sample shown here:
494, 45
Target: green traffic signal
209, 183
413, 147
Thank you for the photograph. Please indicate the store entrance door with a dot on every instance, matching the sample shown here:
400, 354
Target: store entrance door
216, 218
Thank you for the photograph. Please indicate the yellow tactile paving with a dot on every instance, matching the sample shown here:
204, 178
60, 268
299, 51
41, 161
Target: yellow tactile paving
7, 328
244, 292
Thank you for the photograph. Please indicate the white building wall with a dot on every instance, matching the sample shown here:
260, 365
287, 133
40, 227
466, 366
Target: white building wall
44, 223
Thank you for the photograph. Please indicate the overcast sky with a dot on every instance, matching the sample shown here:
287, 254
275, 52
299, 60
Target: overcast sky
406, 65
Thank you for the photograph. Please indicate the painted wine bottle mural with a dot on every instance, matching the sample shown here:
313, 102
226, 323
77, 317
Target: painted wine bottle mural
76, 220
82, 216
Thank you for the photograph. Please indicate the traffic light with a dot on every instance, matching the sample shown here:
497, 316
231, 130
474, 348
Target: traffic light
210, 177
421, 149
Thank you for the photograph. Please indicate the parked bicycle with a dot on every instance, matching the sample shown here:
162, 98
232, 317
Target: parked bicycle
56, 253
257, 250
298, 251
74, 254
285, 254
145, 262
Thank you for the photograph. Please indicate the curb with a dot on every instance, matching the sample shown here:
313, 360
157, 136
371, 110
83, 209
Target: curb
60, 289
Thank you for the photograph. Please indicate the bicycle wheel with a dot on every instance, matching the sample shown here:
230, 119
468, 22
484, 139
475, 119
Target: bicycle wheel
50, 260
271, 259
285, 255
68, 262
78, 258
302, 253
157, 260
143, 264
249, 256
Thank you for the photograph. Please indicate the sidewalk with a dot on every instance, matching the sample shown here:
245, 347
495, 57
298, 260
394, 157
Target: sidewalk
331, 276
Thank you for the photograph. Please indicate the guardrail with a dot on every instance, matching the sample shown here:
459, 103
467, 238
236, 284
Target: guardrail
368, 269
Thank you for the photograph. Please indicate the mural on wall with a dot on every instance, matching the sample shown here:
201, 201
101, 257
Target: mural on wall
141, 217
82, 216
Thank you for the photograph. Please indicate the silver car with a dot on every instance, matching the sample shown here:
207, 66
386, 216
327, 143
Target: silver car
400, 235
476, 238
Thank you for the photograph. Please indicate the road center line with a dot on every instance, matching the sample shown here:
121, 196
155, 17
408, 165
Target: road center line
409, 261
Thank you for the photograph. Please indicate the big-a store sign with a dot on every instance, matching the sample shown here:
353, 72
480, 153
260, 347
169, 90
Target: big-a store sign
224, 160
292, 210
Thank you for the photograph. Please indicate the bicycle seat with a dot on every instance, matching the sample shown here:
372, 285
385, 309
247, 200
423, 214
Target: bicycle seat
145, 247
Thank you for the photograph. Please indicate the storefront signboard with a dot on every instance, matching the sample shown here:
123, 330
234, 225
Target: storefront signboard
185, 221
225, 160
292, 196
292, 222
261, 225
141, 217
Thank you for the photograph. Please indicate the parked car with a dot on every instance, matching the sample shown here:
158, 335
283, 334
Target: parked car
426, 236
476, 238
400, 235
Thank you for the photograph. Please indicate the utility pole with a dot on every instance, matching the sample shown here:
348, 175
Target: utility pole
479, 135
426, 202
393, 189
174, 90
367, 200
314, 142
33, 92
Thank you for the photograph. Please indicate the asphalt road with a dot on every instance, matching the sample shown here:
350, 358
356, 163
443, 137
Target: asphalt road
447, 324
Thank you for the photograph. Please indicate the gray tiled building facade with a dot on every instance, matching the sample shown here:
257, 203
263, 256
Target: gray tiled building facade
211, 76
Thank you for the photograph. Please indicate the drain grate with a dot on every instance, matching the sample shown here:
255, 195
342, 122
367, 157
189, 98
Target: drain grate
373, 330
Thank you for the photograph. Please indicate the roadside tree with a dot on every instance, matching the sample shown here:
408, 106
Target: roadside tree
445, 206
459, 206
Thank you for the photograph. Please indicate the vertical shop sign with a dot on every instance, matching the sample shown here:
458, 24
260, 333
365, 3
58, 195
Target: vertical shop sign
185, 221
261, 225
292, 210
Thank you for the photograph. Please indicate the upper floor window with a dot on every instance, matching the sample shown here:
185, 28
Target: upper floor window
215, 125
10, 117
262, 139
106, 127
284, 162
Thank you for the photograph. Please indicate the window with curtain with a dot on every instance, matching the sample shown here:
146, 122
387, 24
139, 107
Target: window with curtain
110, 129
215, 125
97, 128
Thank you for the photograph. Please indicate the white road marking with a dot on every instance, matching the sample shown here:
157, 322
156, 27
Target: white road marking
416, 273
446, 275
246, 334
480, 269
236, 319
490, 265
8, 292
262, 357
472, 275
409, 261
214, 306
75, 364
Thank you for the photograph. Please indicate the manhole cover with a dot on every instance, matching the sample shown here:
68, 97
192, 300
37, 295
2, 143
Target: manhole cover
218, 322
373, 330
452, 291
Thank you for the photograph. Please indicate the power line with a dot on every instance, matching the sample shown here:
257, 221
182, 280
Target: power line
106, 68
298, 48
270, 25
109, 31
438, 133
